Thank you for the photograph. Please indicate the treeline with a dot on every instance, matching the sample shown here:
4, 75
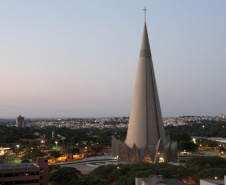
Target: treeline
124, 174
13, 135
205, 128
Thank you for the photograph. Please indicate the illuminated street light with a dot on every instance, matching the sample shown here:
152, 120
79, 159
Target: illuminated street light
56, 142
17, 146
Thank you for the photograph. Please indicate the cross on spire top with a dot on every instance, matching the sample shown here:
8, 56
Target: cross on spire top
145, 10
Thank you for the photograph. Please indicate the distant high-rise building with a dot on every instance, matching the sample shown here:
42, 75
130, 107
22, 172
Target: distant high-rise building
53, 135
20, 122
146, 139
221, 115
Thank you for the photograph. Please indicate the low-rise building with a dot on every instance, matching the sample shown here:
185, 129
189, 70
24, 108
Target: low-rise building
213, 182
157, 180
25, 173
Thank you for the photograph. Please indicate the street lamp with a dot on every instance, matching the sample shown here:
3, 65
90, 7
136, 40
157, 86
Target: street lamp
56, 142
17, 146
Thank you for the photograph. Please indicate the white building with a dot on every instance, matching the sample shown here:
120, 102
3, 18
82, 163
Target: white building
213, 182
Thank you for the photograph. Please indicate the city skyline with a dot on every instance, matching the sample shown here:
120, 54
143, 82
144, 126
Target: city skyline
79, 59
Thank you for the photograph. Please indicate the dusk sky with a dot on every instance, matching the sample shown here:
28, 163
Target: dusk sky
78, 58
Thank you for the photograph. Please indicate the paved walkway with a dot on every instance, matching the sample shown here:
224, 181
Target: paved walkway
89, 164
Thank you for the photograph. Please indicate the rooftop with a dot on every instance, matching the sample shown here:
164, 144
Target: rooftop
172, 182
215, 182
16, 166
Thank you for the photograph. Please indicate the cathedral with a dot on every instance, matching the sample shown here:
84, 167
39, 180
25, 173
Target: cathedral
146, 139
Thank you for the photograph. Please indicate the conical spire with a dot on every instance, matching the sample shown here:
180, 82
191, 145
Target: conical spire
145, 124
145, 138
145, 47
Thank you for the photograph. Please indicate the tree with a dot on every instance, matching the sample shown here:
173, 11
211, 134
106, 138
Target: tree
53, 168
104, 138
75, 151
34, 145
211, 144
211, 173
57, 148
7, 159
16, 149
55, 154
188, 146
124, 174
32, 154
71, 149
222, 149
180, 137
97, 147
65, 176
86, 180
25, 161
203, 162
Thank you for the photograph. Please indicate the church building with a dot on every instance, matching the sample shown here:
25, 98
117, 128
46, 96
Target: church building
146, 139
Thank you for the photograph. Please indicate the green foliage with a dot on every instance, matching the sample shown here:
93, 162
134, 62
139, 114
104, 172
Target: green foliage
104, 138
206, 162
14, 134
16, 149
11, 135
126, 173
86, 180
103, 171
210, 143
184, 142
34, 145
32, 154
25, 161
75, 151
97, 147
121, 181
212, 129
65, 176
188, 146
8, 159
54, 154
222, 149
180, 137
71, 150
211, 173
53, 168
57, 148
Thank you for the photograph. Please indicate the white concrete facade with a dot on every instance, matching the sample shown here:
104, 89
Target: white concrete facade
146, 140
213, 182
145, 124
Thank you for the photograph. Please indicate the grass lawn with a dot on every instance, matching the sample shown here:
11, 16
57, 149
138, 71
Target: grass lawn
214, 152
17, 160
